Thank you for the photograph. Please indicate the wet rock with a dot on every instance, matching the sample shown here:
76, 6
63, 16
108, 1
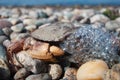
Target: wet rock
99, 18
70, 74
88, 43
92, 70
4, 70
18, 27
58, 31
21, 74
55, 71
112, 25
43, 76
2, 38
33, 65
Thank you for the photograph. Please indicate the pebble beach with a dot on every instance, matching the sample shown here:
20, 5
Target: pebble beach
60, 43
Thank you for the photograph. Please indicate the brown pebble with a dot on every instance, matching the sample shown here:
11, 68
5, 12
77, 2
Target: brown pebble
92, 70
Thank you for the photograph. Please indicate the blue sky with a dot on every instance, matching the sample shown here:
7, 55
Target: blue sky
41, 2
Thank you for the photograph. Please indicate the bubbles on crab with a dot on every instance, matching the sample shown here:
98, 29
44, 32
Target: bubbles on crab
89, 42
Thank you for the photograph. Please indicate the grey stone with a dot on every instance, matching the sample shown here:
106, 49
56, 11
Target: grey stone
53, 32
21, 74
18, 27
3, 52
33, 65
2, 38
99, 18
112, 25
43, 76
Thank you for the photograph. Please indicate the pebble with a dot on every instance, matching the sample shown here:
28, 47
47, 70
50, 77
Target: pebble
42, 14
21, 74
29, 21
2, 39
111, 75
70, 74
99, 18
30, 28
92, 70
118, 19
14, 21
58, 31
42, 76
33, 65
17, 36
86, 13
5, 23
112, 25
3, 52
55, 71
18, 27
33, 14
4, 70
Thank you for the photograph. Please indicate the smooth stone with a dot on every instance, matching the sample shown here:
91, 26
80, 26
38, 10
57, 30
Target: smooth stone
29, 21
1, 32
40, 22
112, 25
58, 31
92, 70
99, 18
4, 70
55, 71
2, 39
18, 27
30, 27
43, 76
21, 74
33, 65
5, 23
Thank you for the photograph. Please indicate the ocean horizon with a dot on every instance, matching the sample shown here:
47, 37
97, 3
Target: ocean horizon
58, 2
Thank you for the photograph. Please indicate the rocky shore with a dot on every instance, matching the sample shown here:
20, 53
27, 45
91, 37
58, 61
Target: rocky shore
53, 43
